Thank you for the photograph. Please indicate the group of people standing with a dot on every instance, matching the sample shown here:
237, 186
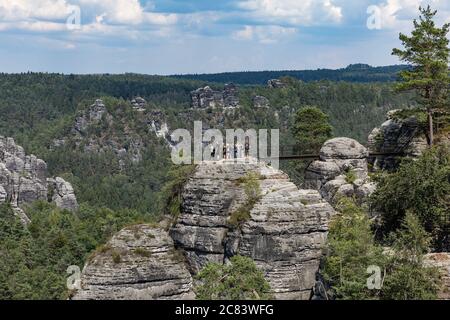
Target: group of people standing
231, 151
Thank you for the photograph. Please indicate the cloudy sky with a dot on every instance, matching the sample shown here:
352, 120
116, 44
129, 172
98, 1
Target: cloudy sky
201, 36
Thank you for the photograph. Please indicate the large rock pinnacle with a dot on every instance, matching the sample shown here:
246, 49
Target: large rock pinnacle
284, 234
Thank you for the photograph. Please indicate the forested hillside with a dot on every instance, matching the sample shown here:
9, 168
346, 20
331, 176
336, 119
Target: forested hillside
31, 100
31, 103
38, 110
353, 73
118, 162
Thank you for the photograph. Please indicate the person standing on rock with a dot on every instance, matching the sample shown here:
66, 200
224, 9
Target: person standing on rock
213, 152
240, 151
247, 147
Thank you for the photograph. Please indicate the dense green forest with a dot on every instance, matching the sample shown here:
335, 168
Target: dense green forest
353, 73
31, 103
38, 109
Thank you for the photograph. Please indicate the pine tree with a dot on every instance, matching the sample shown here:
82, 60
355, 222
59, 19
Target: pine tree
407, 278
351, 249
427, 51
311, 129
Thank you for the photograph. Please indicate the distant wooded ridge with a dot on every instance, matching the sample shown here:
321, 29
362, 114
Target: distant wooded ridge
352, 73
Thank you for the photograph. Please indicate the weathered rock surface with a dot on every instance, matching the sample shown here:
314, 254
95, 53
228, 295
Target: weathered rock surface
126, 145
404, 137
230, 96
138, 263
139, 104
93, 115
275, 84
63, 194
284, 235
206, 97
340, 171
260, 102
23, 179
442, 262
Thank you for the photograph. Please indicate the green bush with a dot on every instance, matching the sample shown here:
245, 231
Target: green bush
406, 277
252, 190
170, 195
350, 251
422, 187
350, 176
240, 280
116, 256
142, 252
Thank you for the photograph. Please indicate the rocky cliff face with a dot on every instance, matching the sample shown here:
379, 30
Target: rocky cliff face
341, 171
128, 147
405, 137
139, 104
260, 102
138, 263
206, 97
96, 130
24, 179
276, 84
284, 234
62, 193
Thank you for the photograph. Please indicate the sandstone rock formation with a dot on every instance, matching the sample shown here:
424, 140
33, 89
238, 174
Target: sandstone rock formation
127, 146
260, 102
93, 115
405, 137
23, 179
285, 233
275, 84
442, 262
138, 263
230, 96
206, 97
63, 194
340, 171
139, 104
97, 130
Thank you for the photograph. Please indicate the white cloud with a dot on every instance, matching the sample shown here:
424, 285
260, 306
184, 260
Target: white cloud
16, 10
294, 12
398, 14
115, 11
263, 34
37, 14
34, 26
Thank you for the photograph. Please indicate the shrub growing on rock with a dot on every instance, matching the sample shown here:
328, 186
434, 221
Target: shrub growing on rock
252, 189
239, 280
